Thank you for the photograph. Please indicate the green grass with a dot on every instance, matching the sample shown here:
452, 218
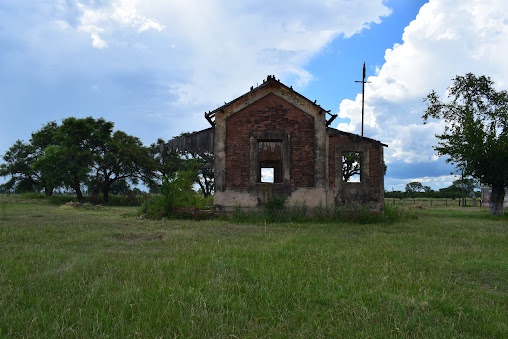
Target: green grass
71, 272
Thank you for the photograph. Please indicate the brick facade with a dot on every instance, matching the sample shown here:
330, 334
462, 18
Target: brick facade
376, 170
273, 129
270, 113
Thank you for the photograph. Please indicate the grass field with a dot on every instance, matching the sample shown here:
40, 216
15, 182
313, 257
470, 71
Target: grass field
74, 272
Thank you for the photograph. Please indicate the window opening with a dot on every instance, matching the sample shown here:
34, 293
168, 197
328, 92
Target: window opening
270, 161
267, 174
351, 167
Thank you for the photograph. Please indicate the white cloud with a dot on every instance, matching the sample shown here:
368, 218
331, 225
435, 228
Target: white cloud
225, 46
117, 16
447, 38
97, 42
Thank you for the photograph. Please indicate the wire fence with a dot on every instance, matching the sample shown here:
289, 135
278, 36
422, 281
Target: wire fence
436, 202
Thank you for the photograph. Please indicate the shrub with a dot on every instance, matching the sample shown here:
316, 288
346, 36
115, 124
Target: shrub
32, 195
176, 193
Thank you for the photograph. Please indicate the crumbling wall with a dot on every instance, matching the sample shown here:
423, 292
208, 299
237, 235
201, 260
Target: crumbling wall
370, 189
270, 114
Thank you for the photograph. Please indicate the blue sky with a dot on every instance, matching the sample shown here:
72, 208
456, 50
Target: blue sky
153, 67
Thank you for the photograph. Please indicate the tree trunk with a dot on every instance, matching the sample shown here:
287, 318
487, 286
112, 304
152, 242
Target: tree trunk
48, 191
105, 192
79, 195
77, 188
497, 199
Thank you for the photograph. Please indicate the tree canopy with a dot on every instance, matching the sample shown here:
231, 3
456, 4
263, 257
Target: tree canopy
86, 154
416, 186
475, 138
77, 153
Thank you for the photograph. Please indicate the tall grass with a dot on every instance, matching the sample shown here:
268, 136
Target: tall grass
67, 272
276, 211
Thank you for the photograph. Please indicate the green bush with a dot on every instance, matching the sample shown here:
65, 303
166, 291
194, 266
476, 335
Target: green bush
130, 199
176, 193
61, 199
32, 195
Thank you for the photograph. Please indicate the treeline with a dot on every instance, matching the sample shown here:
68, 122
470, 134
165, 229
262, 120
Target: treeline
462, 188
431, 194
87, 155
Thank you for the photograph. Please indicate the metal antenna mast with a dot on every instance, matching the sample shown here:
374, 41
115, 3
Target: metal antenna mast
363, 92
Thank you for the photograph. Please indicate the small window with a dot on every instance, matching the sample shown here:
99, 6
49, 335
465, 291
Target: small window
267, 174
270, 161
351, 167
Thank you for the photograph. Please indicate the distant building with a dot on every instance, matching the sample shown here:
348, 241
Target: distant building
487, 191
272, 141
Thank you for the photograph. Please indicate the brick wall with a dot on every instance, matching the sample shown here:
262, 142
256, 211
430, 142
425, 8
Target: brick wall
375, 171
270, 113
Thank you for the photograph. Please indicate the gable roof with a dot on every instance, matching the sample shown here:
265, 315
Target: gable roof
269, 81
355, 137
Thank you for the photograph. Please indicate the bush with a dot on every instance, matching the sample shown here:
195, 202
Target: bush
32, 195
61, 199
130, 199
176, 193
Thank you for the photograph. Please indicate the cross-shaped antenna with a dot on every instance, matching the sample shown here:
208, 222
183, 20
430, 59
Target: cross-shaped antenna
363, 92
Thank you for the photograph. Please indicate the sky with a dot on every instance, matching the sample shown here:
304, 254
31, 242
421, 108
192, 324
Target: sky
154, 67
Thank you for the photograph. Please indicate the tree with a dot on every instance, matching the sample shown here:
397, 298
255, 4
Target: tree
121, 157
166, 164
18, 165
77, 153
202, 165
350, 165
21, 159
69, 159
475, 138
414, 186
427, 189
462, 185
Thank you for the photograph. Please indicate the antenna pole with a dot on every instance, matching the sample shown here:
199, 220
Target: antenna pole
363, 93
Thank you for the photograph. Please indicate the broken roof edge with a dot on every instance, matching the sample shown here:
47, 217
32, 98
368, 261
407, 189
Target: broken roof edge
199, 141
269, 80
335, 132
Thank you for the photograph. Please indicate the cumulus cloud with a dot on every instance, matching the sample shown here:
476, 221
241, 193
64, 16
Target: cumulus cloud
224, 46
98, 18
447, 38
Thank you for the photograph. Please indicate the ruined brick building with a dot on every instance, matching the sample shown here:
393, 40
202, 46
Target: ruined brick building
273, 141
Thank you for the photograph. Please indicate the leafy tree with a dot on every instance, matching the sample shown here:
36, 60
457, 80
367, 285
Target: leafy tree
166, 163
462, 185
476, 136
70, 158
20, 163
414, 186
202, 165
350, 165
77, 153
427, 189
120, 187
121, 157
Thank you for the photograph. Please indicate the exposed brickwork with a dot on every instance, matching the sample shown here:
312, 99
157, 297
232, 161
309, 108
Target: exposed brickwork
275, 114
375, 169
